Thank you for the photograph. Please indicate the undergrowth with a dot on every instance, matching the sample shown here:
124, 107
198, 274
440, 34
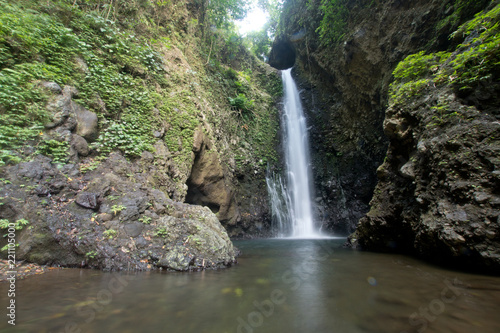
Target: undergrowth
114, 57
475, 61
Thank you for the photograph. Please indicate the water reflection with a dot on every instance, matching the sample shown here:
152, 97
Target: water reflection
279, 286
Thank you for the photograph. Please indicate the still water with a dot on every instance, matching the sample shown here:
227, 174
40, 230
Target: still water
278, 286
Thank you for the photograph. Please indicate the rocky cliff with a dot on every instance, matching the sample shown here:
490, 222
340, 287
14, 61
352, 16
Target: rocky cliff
345, 73
438, 189
129, 133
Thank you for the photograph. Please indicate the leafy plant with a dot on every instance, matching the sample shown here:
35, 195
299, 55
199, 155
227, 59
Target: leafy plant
242, 103
58, 150
332, 26
476, 61
89, 166
110, 233
161, 232
18, 225
128, 137
91, 254
145, 220
117, 208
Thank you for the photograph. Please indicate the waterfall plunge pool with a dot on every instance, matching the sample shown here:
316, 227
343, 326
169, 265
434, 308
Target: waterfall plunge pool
279, 285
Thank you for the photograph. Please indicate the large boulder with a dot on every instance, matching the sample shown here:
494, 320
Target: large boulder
109, 218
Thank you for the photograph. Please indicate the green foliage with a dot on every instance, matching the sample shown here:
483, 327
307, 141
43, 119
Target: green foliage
461, 9
117, 208
161, 232
333, 24
33, 47
259, 43
8, 156
410, 75
18, 225
407, 90
481, 58
482, 21
145, 220
57, 150
132, 138
89, 165
418, 65
37, 46
91, 254
110, 233
223, 12
475, 61
242, 104
181, 115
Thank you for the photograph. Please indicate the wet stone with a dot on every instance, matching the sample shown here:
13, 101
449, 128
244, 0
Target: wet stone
87, 200
134, 229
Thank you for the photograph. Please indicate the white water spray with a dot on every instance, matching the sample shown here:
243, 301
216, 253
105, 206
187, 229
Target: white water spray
297, 205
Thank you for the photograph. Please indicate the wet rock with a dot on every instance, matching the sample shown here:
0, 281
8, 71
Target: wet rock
56, 186
133, 229
35, 169
105, 217
42, 191
177, 259
88, 200
182, 236
147, 157
135, 203
206, 185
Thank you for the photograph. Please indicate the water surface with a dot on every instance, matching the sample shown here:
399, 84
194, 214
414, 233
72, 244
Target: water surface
279, 285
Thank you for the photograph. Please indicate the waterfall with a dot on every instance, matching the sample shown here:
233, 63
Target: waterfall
292, 211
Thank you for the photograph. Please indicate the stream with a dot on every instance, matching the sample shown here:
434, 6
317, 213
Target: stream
279, 285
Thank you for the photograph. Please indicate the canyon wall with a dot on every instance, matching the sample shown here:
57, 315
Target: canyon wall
346, 91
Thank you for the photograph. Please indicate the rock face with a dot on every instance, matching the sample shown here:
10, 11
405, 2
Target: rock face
110, 218
438, 191
345, 85
435, 194
206, 184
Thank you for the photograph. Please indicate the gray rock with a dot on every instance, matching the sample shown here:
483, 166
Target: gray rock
133, 229
80, 145
42, 191
147, 157
87, 200
87, 125
176, 259
135, 203
52, 86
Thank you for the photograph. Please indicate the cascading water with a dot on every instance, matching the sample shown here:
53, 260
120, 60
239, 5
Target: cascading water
296, 202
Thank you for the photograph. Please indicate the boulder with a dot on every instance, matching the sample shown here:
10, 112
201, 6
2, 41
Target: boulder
87, 125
